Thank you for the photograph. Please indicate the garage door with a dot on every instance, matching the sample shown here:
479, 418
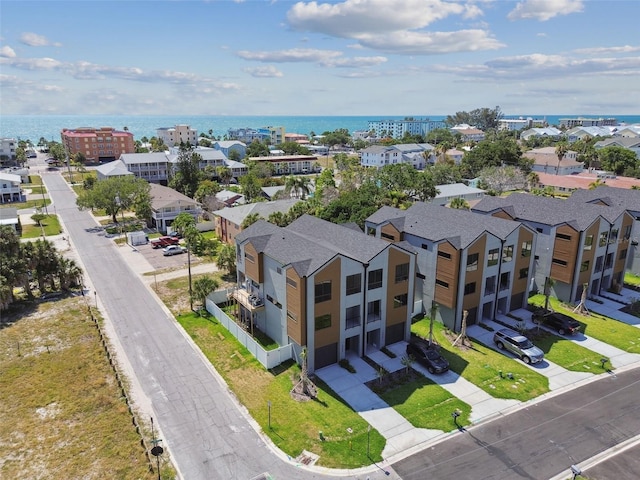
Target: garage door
394, 333
327, 355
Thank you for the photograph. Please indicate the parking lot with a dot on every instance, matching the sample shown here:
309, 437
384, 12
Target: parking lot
160, 262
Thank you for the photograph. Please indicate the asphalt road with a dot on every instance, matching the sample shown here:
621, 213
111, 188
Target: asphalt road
203, 428
542, 440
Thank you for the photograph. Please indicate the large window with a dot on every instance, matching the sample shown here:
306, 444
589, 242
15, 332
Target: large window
524, 273
584, 266
507, 253
492, 258
323, 321
352, 316
604, 237
373, 311
472, 262
375, 279
526, 248
402, 272
400, 300
470, 288
563, 236
323, 291
588, 242
354, 284
505, 280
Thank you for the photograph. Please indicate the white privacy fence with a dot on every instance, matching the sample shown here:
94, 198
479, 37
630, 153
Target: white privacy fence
268, 358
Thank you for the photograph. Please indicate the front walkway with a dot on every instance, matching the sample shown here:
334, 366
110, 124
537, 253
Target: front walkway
398, 432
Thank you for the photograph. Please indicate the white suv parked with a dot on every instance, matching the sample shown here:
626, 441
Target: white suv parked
514, 342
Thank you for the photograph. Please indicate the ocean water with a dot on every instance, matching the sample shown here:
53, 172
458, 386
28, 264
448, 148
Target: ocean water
33, 127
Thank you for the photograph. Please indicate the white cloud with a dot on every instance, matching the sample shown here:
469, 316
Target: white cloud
544, 67
35, 40
7, 52
32, 63
544, 10
416, 43
326, 58
26, 87
608, 50
264, 72
90, 71
353, 17
393, 27
290, 56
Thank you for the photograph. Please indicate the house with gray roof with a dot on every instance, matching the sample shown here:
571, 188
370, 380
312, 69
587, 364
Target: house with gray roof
167, 204
416, 154
545, 160
465, 262
446, 193
228, 146
627, 199
578, 244
629, 143
229, 220
325, 287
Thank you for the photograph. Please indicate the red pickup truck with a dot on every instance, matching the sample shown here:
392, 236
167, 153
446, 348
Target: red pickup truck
162, 242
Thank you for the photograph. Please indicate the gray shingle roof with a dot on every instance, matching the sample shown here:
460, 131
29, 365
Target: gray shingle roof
309, 243
237, 214
547, 211
621, 197
287, 247
343, 240
437, 223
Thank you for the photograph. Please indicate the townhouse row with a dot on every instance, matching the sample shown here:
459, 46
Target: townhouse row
337, 290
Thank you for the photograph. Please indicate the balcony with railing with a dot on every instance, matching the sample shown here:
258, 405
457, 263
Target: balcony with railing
251, 301
373, 317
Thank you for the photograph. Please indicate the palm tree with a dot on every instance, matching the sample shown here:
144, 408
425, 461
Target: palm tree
597, 183
226, 258
250, 220
202, 287
224, 174
459, 203
185, 224
561, 149
69, 273
278, 218
532, 179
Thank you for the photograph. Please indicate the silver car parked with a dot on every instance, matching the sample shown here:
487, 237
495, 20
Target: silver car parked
518, 344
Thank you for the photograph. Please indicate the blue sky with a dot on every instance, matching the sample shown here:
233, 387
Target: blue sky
352, 57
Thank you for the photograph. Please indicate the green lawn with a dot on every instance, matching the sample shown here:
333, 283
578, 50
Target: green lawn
566, 353
605, 329
632, 279
34, 180
426, 404
50, 226
482, 366
295, 426
28, 204
37, 189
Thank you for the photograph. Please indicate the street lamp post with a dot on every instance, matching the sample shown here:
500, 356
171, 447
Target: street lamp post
157, 450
